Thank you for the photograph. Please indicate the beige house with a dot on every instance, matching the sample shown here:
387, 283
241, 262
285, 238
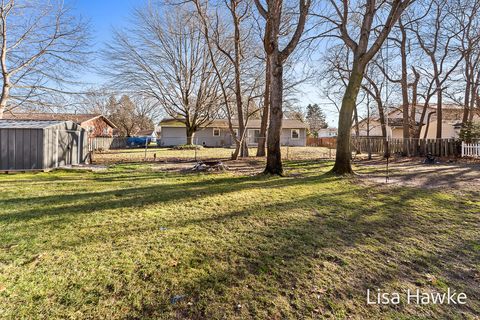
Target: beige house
452, 118
217, 133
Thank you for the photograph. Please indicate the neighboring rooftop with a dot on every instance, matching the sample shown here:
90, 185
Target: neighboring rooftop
223, 123
147, 132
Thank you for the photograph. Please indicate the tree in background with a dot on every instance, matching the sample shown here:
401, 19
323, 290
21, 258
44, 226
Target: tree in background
316, 119
129, 116
164, 57
233, 54
41, 45
470, 132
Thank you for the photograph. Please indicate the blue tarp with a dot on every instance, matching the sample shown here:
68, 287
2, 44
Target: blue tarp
138, 141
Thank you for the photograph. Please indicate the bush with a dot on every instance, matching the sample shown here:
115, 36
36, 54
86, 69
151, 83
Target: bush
187, 147
471, 131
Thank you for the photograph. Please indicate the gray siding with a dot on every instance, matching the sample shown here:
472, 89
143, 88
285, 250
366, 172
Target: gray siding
36, 148
173, 136
205, 137
286, 138
65, 144
20, 149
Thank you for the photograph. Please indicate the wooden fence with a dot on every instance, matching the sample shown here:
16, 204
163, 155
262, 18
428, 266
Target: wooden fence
413, 147
409, 147
328, 142
106, 143
471, 150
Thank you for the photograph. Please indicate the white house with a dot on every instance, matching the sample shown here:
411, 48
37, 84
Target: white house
451, 118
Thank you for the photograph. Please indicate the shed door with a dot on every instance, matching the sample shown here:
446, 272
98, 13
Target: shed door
67, 143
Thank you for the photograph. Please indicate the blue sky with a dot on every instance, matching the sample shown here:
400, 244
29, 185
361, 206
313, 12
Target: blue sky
104, 15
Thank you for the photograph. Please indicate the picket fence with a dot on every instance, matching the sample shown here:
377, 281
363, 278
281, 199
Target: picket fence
471, 150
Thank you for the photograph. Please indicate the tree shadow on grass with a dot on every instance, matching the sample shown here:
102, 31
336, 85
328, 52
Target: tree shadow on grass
294, 258
136, 197
275, 259
301, 244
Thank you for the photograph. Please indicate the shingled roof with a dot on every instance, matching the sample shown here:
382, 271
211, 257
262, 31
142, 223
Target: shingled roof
223, 123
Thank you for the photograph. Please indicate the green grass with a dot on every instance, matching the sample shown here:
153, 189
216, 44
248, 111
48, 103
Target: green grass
168, 154
136, 243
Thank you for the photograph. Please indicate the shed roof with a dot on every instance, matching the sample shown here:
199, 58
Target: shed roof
28, 124
74, 117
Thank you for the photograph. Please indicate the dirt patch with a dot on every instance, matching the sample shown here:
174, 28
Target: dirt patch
240, 167
459, 175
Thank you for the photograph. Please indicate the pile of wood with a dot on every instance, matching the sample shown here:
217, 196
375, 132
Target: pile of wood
209, 166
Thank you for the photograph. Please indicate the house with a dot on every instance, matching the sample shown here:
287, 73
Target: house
150, 133
451, 122
327, 132
96, 125
216, 133
41, 144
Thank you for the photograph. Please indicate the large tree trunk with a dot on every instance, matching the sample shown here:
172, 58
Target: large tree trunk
265, 114
427, 126
238, 86
343, 156
383, 124
474, 97
439, 113
413, 107
381, 116
406, 121
274, 156
467, 94
404, 85
418, 131
244, 149
237, 150
190, 134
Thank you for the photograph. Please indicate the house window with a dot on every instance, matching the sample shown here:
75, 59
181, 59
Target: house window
216, 132
295, 134
235, 131
254, 135
105, 131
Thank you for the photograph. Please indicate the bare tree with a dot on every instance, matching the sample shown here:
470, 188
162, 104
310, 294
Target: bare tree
437, 35
272, 13
364, 49
262, 140
240, 75
130, 115
164, 57
41, 44
400, 40
467, 18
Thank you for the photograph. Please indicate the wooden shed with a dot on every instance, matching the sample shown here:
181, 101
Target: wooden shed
38, 145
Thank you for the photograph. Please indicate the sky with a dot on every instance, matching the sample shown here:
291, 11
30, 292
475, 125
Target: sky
105, 15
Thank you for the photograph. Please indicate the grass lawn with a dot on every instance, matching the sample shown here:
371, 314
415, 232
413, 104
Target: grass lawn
168, 154
134, 243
